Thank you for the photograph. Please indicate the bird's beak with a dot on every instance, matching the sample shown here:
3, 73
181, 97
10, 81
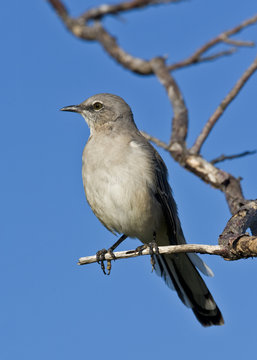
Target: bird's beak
73, 108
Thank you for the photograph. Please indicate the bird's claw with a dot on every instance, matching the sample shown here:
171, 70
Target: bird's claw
140, 249
153, 249
100, 257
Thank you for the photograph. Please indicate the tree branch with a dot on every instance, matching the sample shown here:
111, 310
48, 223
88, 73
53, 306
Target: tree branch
244, 247
156, 141
222, 107
173, 249
217, 178
180, 118
177, 147
79, 27
245, 218
238, 42
196, 57
109, 9
232, 157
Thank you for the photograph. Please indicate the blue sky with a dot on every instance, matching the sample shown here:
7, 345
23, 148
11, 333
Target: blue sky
50, 307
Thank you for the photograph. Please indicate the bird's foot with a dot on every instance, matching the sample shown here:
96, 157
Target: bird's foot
153, 249
100, 257
140, 249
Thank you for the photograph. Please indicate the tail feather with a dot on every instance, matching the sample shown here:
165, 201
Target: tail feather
200, 264
180, 274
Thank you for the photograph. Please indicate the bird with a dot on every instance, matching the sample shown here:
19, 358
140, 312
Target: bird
126, 185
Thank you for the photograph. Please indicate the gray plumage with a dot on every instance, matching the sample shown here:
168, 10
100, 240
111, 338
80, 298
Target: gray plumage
126, 186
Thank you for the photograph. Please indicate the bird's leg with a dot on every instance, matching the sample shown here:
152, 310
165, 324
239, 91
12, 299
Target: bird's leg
140, 249
115, 245
153, 249
100, 255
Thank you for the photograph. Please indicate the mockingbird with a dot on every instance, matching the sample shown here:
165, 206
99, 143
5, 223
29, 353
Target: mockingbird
126, 186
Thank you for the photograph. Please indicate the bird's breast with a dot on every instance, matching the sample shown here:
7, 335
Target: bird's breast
119, 185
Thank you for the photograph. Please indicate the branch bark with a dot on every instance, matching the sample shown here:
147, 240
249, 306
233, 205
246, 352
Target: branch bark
222, 107
106, 9
223, 157
244, 247
196, 57
180, 118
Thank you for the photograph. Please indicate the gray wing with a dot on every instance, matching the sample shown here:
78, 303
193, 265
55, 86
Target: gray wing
164, 196
174, 230
179, 270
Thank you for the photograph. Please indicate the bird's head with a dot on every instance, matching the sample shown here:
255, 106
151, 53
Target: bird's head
101, 109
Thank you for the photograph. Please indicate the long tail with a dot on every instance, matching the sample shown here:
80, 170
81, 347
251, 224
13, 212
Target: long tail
180, 274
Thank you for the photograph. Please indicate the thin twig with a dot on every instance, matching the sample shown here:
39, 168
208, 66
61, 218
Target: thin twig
231, 157
238, 42
156, 141
59, 7
110, 9
217, 55
222, 107
196, 57
173, 249
193, 61
180, 118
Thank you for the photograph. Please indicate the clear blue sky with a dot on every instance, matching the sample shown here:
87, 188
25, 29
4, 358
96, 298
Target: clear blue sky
50, 307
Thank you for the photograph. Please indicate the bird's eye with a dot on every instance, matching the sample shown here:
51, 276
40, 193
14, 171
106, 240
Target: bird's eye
97, 106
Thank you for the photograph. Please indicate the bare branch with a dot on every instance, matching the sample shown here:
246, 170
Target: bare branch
96, 32
217, 55
217, 178
239, 27
245, 246
173, 249
231, 157
156, 141
196, 57
206, 171
59, 8
192, 61
192, 162
109, 43
238, 42
99, 12
180, 118
245, 218
222, 107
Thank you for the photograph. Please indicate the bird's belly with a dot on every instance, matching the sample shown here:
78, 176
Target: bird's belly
123, 202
